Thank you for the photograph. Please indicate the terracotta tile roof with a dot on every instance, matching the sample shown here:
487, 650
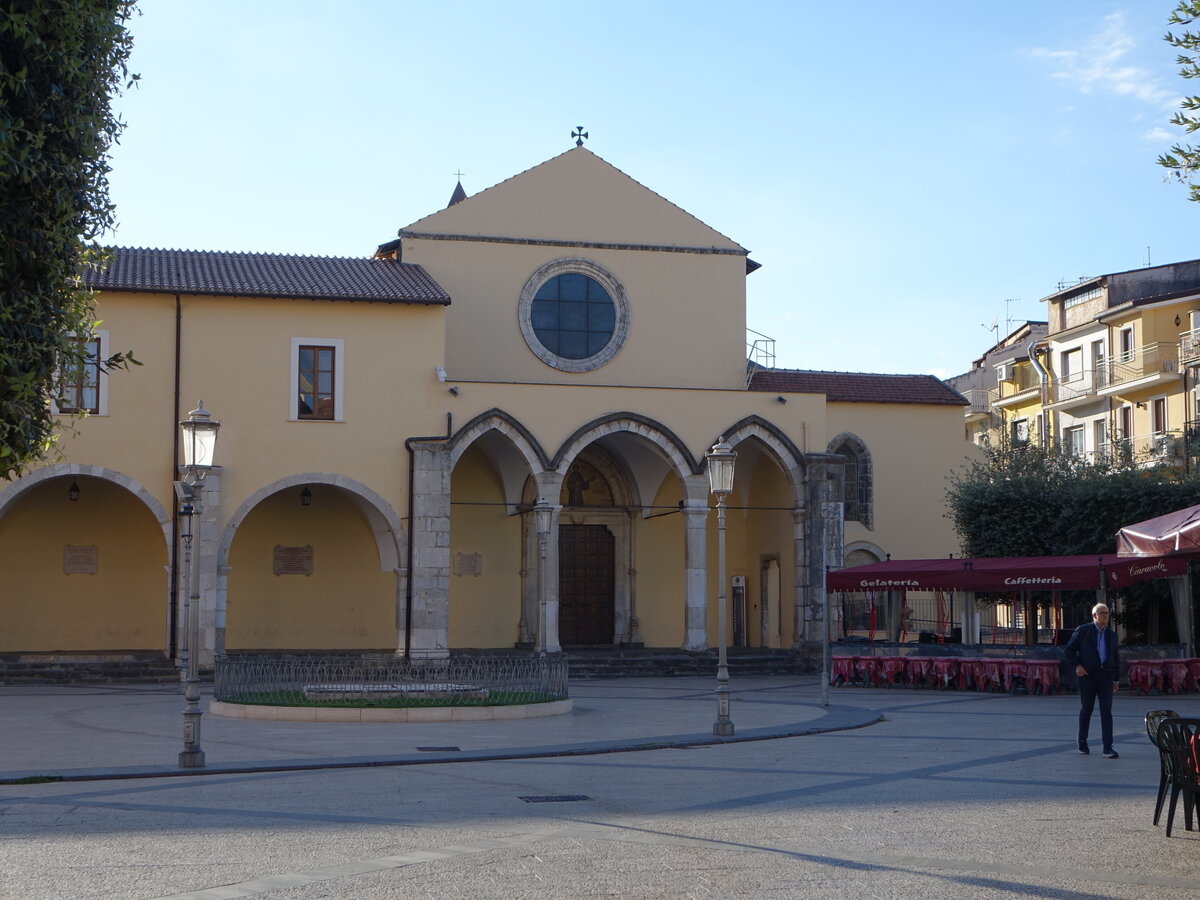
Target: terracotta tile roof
266, 275
858, 387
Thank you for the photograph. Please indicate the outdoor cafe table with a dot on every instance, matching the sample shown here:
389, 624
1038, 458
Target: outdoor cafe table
942, 672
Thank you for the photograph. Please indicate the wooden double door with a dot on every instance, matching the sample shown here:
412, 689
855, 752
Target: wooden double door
586, 584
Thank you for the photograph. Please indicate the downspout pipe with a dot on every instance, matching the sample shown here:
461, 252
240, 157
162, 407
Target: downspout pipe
1043, 379
173, 579
408, 580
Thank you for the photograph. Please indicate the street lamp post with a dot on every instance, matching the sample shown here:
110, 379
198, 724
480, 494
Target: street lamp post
720, 482
199, 433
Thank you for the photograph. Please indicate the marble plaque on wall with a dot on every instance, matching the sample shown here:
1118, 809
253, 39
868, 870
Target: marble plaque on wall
293, 560
81, 560
468, 563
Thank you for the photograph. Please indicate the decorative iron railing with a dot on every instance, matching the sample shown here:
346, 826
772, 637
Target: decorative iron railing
384, 680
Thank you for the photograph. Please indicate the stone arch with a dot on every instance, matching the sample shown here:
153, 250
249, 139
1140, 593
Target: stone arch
384, 522
859, 496
864, 547
673, 448
162, 515
779, 446
500, 421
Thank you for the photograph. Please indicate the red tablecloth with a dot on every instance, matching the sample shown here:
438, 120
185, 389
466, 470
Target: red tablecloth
1175, 675
843, 669
947, 672
870, 669
891, 666
1013, 669
1043, 672
918, 669
1144, 675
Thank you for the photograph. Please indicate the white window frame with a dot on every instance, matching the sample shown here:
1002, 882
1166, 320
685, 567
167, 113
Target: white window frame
100, 336
1074, 447
339, 380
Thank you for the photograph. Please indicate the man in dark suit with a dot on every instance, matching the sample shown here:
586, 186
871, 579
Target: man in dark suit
1093, 650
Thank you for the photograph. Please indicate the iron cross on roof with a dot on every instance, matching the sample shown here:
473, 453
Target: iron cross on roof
580, 135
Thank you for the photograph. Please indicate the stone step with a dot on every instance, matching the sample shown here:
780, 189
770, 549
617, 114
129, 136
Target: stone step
101, 668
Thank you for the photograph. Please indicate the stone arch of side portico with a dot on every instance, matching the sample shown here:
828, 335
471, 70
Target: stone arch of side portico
385, 525
491, 535
162, 516
767, 515
113, 591
642, 454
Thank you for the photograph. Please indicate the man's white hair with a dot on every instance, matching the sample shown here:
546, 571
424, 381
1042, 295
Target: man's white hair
1098, 607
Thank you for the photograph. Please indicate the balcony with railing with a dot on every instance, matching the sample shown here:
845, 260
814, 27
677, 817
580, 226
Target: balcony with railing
979, 403
1144, 367
1153, 449
1072, 390
1021, 385
1189, 346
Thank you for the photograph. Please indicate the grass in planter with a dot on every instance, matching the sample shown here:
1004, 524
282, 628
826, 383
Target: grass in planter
297, 698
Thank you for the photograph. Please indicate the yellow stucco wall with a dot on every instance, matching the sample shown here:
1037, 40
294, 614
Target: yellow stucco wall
347, 603
677, 299
659, 563
121, 607
236, 358
484, 609
913, 449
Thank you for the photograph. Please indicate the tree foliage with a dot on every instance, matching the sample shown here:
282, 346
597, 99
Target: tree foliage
61, 61
1021, 500
1183, 161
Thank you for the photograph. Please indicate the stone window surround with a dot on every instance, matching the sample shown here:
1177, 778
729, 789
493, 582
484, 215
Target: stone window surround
607, 280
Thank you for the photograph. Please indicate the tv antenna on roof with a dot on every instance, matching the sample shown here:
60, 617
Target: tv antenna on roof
992, 327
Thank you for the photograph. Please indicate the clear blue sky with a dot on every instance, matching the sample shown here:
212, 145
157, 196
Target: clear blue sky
900, 170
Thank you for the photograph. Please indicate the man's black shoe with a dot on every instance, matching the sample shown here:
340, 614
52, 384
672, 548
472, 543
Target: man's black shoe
1111, 754
1083, 748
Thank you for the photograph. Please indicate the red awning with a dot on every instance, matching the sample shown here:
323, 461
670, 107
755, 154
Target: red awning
1018, 573
1177, 532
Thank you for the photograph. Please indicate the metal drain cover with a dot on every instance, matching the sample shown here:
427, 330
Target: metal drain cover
556, 798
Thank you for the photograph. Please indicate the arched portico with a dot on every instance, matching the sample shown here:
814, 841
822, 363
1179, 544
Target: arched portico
85, 553
311, 561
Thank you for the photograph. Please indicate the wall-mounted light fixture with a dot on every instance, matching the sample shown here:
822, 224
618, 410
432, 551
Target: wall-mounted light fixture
781, 399
454, 390
73, 491
1141, 405
1177, 320
306, 497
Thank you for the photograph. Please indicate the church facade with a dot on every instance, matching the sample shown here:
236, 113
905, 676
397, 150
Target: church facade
562, 348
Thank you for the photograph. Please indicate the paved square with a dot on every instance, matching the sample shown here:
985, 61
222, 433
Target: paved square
951, 795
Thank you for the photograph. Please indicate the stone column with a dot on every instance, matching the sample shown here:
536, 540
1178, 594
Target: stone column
695, 562
430, 566
799, 582
549, 486
824, 536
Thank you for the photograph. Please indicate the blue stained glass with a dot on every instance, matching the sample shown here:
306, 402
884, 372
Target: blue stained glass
572, 345
544, 314
573, 287
601, 317
573, 316
596, 292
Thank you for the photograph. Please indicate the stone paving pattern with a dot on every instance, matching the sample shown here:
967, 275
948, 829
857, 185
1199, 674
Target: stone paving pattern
923, 794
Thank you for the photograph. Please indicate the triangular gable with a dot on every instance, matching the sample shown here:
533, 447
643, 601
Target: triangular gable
576, 196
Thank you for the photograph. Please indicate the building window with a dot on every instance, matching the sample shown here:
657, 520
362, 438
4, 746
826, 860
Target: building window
84, 388
857, 495
1073, 440
574, 315
1020, 431
316, 379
